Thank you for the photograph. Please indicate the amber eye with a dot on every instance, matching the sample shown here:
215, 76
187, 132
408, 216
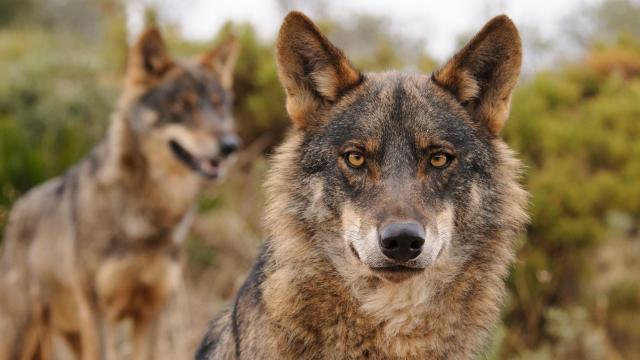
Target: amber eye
182, 105
354, 159
439, 160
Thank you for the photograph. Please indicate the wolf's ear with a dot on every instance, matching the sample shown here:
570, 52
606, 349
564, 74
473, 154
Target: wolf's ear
483, 74
149, 59
222, 60
313, 72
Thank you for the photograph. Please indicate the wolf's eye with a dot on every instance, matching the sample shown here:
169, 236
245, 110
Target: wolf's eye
183, 105
354, 159
440, 160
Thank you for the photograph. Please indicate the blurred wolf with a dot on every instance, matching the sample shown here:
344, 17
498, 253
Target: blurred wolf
392, 211
102, 242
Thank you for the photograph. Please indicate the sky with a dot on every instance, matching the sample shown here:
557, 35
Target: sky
437, 22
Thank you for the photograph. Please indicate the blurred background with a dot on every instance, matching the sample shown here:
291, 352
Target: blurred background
574, 292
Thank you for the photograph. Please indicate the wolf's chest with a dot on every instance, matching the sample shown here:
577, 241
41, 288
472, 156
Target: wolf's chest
136, 285
319, 316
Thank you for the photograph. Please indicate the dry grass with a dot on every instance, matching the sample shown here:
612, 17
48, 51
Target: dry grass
222, 249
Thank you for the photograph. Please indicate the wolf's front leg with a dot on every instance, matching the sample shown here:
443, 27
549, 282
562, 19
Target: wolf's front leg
90, 342
108, 332
145, 331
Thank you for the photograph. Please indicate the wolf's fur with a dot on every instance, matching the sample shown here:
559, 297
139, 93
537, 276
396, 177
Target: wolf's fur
317, 291
102, 242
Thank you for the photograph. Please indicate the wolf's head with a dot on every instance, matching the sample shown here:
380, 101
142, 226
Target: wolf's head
180, 111
394, 173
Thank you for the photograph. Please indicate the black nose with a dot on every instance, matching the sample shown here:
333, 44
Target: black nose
229, 144
402, 241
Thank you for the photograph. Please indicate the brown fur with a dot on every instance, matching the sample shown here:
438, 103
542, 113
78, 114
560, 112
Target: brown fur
485, 72
102, 243
317, 291
311, 85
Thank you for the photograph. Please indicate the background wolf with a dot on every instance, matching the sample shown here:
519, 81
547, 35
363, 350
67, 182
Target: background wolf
102, 242
393, 206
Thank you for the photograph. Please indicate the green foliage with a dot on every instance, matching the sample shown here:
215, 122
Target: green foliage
13, 10
259, 103
577, 129
54, 106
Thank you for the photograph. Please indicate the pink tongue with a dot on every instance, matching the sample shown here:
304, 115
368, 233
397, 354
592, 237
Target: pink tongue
208, 167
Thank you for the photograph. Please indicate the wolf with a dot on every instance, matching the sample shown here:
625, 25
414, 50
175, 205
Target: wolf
102, 243
392, 208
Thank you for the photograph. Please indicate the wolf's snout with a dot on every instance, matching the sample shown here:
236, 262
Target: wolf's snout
402, 241
229, 144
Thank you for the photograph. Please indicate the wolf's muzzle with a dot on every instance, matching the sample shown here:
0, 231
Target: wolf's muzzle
229, 143
402, 241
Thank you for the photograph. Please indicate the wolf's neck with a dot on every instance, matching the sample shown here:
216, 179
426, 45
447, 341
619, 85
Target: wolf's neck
432, 313
125, 170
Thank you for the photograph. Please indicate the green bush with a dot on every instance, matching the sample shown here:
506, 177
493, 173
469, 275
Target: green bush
54, 105
578, 131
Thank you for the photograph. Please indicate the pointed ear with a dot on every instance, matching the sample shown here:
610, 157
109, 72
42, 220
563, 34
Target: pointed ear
314, 72
222, 60
483, 74
149, 59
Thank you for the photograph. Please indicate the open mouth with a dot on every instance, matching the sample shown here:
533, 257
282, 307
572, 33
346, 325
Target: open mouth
207, 167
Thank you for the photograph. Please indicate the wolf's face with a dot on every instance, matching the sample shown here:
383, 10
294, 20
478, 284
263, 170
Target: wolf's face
394, 164
180, 111
404, 163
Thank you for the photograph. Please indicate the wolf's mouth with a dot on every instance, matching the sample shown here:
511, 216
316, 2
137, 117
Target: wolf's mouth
207, 167
392, 272
396, 273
